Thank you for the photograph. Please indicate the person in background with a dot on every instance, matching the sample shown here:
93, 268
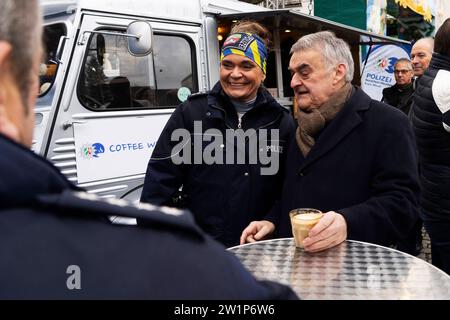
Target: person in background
400, 94
225, 196
421, 53
431, 122
353, 158
56, 242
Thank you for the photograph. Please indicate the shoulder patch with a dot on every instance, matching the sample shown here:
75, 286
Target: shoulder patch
441, 90
124, 203
198, 95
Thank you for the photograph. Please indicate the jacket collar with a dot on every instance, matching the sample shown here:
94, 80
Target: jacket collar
24, 175
220, 106
439, 61
344, 122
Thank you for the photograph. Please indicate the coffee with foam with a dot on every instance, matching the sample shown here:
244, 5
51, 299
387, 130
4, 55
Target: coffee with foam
302, 221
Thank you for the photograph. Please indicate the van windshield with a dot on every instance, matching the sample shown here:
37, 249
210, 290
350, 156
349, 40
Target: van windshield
112, 78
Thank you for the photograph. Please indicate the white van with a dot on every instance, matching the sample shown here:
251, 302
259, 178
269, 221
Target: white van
102, 106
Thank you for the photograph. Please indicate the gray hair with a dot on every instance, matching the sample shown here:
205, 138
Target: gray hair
20, 26
404, 60
334, 50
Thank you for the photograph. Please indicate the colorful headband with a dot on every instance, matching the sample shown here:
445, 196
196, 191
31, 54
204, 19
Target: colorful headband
247, 45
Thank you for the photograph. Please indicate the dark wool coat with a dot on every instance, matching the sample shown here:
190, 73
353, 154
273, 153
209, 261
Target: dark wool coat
363, 166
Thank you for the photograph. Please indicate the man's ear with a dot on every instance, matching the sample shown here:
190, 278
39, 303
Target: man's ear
7, 127
5, 51
341, 71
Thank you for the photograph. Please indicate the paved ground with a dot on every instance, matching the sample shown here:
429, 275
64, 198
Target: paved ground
425, 254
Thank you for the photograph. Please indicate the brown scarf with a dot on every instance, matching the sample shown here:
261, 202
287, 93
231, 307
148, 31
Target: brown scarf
311, 122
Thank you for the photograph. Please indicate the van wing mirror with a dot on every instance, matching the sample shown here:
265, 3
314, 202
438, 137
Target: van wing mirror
141, 45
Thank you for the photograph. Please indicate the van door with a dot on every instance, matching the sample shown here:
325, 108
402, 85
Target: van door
115, 105
53, 38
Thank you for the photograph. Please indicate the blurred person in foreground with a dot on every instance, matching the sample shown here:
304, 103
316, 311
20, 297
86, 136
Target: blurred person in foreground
431, 122
353, 157
56, 242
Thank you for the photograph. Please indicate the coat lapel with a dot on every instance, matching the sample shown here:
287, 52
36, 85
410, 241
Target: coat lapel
344, 123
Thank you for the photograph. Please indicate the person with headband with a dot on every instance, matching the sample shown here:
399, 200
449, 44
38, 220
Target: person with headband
228, 190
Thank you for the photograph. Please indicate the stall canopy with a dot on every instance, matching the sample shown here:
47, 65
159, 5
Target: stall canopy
285, 19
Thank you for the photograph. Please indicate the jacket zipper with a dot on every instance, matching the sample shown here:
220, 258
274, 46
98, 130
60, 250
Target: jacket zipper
240, 119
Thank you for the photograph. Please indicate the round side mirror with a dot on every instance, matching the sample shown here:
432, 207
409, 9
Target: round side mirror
141, 44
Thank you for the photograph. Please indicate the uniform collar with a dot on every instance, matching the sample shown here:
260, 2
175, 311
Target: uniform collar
25, 175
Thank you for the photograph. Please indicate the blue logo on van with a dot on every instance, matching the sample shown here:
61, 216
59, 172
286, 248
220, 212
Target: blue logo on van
89, 151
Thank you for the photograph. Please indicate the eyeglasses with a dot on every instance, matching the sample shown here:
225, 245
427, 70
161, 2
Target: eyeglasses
402, 71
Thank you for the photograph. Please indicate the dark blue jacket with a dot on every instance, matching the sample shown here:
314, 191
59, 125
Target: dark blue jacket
54, 237
363, 166
433, 143
224, 198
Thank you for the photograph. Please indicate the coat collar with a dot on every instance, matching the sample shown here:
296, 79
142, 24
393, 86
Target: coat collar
345, 121
25, 175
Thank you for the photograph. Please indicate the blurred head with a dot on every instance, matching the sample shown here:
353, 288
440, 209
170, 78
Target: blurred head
320, 65
421, 53
20, 57
242, 65
442, 39
403, 72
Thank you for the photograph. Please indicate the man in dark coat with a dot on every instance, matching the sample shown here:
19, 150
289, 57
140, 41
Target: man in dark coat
223, 193
56, 242
431, 122
354, 158
400, 94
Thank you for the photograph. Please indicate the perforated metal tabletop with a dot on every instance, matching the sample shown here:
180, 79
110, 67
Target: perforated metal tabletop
352, 270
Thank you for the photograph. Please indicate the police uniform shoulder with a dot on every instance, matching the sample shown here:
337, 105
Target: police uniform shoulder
198, 95
158, 215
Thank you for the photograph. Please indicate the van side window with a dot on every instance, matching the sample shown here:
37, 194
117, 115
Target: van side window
112, 79
47, 70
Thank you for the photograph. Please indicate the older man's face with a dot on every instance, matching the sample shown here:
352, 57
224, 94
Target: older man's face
421, 54
312, 81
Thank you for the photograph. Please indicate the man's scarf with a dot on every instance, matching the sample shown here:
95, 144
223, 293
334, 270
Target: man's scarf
311, 122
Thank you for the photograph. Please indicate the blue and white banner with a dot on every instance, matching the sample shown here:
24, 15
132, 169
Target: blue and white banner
379, 70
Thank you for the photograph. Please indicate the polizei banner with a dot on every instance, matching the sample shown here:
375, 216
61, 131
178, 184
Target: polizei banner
379, 70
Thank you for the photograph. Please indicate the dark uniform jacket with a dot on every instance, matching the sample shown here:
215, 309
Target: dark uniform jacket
433, 143
56, 242
363, 166
224, 198
399, 98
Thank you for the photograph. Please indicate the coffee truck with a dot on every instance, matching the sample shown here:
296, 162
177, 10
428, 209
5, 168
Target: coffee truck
115, 70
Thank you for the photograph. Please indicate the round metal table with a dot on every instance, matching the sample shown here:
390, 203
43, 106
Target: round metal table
351, 270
